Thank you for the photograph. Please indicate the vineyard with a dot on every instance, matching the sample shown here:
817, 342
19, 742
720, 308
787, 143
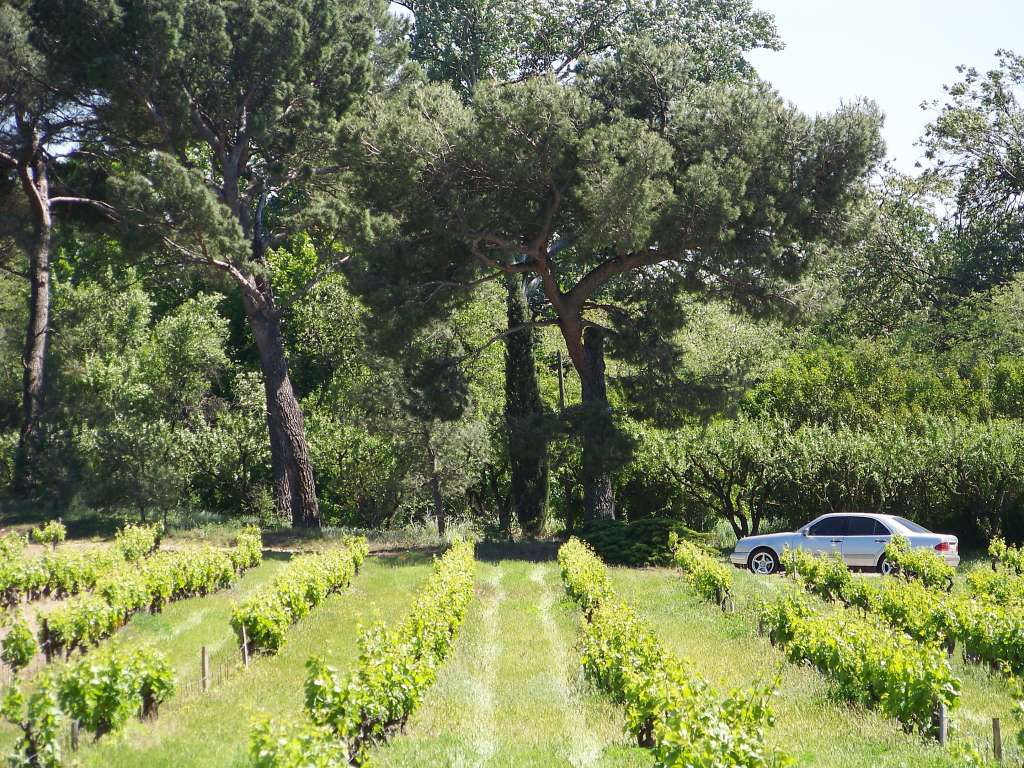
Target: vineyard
232, 655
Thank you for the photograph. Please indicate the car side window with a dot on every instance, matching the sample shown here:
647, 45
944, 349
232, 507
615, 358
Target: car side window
830, 526
881, 530
862, 526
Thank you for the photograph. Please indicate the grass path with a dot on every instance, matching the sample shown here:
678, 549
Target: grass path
812, 725
213, 729
512, 694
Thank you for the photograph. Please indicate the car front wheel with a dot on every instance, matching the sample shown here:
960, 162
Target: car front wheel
763, 562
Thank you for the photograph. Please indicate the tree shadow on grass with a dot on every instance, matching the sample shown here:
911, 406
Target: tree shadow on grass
398, 558
525, 551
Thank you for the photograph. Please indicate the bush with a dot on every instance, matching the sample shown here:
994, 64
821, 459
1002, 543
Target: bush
641, 542
711, 579
135, 542
148, 584
19, 645
39, 719
104, 689
52, 533
870, 663
828, 577
267, 615
918, 563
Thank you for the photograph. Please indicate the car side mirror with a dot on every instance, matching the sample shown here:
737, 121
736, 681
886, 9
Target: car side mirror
804, 532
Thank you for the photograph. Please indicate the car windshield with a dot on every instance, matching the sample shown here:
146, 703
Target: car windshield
910, 525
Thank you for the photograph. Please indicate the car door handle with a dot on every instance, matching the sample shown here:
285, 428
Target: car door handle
836, 541
881, 541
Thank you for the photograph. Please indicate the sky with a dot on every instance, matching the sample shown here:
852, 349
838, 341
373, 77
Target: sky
897, 52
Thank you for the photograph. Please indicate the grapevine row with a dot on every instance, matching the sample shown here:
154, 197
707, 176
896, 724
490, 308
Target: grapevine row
262, 620
668, 707
869, 662
148, 585
64, 572
711, 579
394, 669
987, 631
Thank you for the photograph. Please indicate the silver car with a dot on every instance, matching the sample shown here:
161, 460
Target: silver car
859, 537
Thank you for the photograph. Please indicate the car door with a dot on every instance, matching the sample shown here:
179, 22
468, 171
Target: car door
825, 536
864, 541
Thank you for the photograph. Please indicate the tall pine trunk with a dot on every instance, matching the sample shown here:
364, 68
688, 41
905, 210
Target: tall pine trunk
527, 446
598, 495
35, 184
294, 484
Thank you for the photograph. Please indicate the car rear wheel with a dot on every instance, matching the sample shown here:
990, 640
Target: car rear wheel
763, 562
885, 566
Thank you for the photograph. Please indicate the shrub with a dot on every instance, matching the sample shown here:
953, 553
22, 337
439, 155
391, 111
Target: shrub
918, 563
641, 542
39, 719
104, 689
711, 579
267, 615
19, 645
148, 584
826, 576
1009, 557
137, 541
52, 533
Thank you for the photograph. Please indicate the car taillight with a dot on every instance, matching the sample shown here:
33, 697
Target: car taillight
944, 546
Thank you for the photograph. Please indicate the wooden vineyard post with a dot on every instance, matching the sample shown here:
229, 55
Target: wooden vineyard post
997, 740
943, 717
74, 735
245, 647
205, 660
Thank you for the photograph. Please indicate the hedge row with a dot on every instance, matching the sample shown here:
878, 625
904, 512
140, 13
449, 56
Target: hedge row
262, 620
868, 661
394, 669
145, 585
668, 707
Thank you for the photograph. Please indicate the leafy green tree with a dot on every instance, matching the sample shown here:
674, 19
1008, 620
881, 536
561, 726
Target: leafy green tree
41, 114
541, 179
976, 143
227, 109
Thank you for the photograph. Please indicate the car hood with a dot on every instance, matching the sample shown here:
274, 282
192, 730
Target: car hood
768, 539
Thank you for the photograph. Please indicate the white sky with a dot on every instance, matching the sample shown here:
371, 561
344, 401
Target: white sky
896, 52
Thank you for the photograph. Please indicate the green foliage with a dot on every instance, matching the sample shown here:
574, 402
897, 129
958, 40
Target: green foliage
146, 584
303, 585
39, 719
52, 533
395, 667
106, 688
711, 578
1007, 556
828, 577
19, 645
869, 662
639, 542
668, 707
919, 563
135, 542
